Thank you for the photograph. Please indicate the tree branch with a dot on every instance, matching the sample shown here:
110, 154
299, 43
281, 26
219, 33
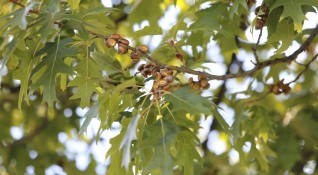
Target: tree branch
257, 67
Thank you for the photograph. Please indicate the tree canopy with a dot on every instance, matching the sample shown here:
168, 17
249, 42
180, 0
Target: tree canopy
153, 73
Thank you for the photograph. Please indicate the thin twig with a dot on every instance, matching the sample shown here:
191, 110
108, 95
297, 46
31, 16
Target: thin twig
257, 99
306, 67
256, 45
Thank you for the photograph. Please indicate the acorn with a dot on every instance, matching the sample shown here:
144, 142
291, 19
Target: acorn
206, 86
169, 78
110, 42
122, 48
196, 85
149, 65
204, 82
158, 75
141, 67
147, 71
257, 10
115, 36
265, 9
164, 72
155, 84
274, 89
167, 87
142, 48
190, 81
201, 76
143, 74
162, 83
259, 24
124, 41
135, 54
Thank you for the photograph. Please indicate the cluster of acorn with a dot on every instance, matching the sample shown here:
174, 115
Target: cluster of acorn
262, 15
279, 88
163, 77
203, 83
123, 44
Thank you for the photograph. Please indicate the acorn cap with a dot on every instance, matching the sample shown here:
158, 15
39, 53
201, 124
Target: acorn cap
110, 42
124, 41
142, 48
115, 36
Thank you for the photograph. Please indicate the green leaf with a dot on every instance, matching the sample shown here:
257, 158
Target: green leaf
19, 18
159, 138
89, 115
221, 121
73, 4
99, 10
11, 48
114, 101
147, 30
23, 74
235, 7
52, 64
164, 53
116, 155
287, 156
187, 152
210, 19
126, 141
293, 9
106, 62
283, 33
87, 79
186, 99
141, 12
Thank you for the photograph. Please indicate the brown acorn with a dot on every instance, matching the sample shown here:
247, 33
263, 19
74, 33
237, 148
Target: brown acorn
164, 72
257, 10
274, 89
110, 42
115, 36
124, 41
149, 65
162, 83
144, 74
155, 84
169, 78
122, 48
259, 24
167, 87
265, 9
158, 75
207, 86
204, 82
286, 89
147, 71
141, 67
135, 55
190, 81
196, 85
142, 48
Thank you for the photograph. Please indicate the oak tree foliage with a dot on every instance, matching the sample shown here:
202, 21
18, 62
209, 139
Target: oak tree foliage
154, 85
